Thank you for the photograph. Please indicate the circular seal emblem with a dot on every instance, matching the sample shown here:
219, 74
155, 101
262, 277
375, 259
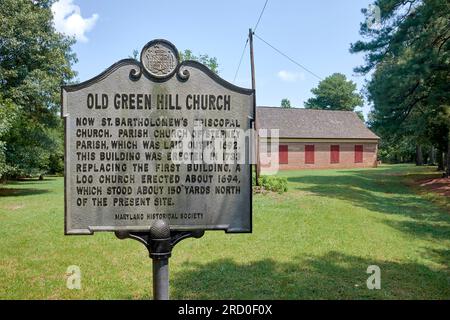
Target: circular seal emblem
159, 58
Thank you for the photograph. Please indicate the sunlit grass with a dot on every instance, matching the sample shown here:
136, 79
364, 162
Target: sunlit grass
313, 242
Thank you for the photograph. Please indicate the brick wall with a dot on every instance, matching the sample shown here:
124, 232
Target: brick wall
322, 155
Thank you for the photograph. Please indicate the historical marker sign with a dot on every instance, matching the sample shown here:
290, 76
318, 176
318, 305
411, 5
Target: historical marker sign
156, 139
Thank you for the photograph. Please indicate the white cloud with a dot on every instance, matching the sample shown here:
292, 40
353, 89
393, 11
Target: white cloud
290, 76
68, 20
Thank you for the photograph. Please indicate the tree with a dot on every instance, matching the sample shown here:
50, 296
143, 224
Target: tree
210, 62
396, 150
35, 61
285, 103
7, 117
335, 93
410, 85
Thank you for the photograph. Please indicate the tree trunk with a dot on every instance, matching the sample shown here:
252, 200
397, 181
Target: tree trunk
432, 156
440, 160
426, 158
419, 156
447, 172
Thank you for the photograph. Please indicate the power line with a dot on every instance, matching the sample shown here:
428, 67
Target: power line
287, 57
240, 61
246, 41
260, 15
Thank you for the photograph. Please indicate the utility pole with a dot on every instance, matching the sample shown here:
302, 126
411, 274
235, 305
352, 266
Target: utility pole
252, 59
252, 63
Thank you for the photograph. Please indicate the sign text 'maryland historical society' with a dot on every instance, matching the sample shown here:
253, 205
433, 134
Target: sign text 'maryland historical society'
157, 140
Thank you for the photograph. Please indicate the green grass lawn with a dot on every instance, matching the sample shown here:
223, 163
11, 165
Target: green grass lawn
313, 242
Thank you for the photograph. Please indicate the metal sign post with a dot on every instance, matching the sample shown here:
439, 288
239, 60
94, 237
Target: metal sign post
159, 242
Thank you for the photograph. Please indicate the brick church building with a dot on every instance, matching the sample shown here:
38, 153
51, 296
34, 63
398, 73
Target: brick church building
314, 139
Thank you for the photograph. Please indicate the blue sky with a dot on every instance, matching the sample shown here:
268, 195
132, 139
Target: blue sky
316, 33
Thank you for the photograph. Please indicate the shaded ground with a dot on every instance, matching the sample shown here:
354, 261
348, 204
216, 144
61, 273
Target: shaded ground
439, 185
